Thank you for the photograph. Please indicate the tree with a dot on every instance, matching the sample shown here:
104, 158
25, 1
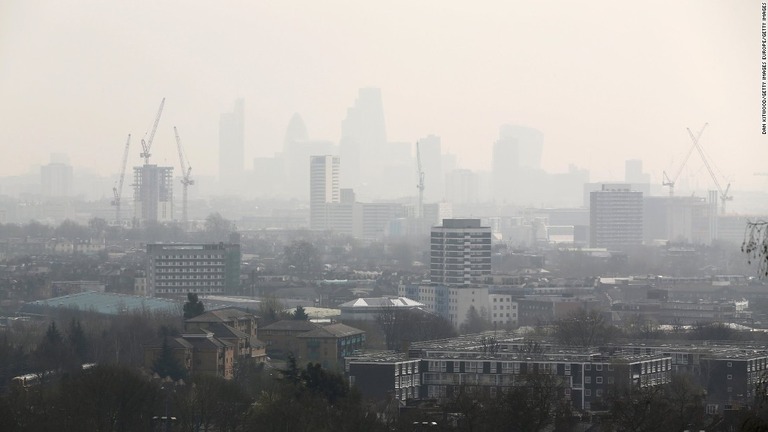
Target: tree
193, 306
217, 228
584, 328
78, 341
300, 314
167, 365
301, 258
474, 322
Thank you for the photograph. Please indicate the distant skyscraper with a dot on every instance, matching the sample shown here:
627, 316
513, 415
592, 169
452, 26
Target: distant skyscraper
323, 189
633, 172
432, 164
615, 217
516, 157
232, 146
363, 137
297, 150
152, 194
56, 177
460, 251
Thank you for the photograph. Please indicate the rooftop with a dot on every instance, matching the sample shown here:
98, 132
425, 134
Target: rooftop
103, 303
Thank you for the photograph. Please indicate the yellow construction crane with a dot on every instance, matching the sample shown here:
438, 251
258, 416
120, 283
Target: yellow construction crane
186, 181
117, 190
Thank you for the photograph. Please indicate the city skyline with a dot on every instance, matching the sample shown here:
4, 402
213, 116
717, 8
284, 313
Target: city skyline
602, 88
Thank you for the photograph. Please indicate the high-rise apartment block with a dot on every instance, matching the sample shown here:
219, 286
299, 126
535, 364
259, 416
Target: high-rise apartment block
615, 217
460, 251
178, 269
323, 189
152, 194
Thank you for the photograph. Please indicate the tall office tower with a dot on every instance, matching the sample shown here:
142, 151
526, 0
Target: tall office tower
615, 217
460, 251
432, 165
323, 189
152, 194
516, 157
56, 177
363, 138
232, 147
178, 269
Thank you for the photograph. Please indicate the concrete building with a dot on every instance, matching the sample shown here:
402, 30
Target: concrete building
232, 147
178, 269
460, 250
616, 217
677, 219
56, 180
323, 190
492, 363
152, 194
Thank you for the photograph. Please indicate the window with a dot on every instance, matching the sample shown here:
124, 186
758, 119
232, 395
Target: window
610, 367
587, 380
599, 380
729, 364
587, 367
599, 367
729, 376
598, 393
610, 380
587, 392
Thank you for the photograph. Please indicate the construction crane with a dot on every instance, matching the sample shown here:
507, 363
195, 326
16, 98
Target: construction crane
117, 190
667, 181
724, 197
186, 181
420, 185
147, 145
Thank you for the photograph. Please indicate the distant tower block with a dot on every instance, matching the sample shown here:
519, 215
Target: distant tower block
152, 194
323, 188
232, 146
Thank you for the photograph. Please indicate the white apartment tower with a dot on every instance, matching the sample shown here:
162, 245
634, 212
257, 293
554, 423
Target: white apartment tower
460, 251
323, 189
615, 217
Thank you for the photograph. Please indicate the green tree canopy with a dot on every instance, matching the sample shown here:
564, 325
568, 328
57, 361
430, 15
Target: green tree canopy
193, 306
300, 314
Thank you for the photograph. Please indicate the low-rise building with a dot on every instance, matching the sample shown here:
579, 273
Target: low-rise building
329, 345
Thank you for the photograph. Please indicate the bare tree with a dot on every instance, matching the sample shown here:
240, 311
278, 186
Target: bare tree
755, 245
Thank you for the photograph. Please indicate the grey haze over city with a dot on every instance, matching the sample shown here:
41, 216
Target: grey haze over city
603, 81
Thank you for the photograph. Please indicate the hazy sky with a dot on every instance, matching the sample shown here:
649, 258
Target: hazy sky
604, 80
